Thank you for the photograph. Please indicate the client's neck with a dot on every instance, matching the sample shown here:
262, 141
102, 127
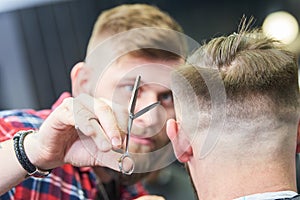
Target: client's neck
221, 179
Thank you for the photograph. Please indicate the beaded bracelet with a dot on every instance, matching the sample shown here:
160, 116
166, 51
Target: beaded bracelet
22, 157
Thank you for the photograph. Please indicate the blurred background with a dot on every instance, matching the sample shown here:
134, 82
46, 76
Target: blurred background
41, 40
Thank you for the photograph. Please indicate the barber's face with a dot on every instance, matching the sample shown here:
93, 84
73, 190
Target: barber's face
116, 84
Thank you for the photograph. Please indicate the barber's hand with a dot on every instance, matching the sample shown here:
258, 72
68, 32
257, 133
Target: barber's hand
150, 197
81, 131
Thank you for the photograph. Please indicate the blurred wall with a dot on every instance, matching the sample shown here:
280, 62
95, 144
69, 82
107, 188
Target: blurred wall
41, 41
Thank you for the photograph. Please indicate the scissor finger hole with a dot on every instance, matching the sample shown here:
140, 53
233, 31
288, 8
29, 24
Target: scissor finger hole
126, 164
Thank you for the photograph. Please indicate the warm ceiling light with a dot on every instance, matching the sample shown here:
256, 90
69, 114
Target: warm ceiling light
282, 26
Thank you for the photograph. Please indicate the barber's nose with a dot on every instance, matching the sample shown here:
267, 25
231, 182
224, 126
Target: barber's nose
152, 117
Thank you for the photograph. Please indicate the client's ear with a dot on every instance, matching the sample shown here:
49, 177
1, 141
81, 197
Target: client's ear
180, 142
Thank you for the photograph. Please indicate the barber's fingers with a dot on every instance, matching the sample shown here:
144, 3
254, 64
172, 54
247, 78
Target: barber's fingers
82, 118
87, 153
106, 118
100, 138
60, 120
121, 114
111, 159
88, 124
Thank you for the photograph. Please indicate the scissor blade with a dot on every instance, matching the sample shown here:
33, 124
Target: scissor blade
144, 110
134, 95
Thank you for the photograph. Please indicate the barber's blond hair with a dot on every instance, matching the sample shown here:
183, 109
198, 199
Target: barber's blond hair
132, 16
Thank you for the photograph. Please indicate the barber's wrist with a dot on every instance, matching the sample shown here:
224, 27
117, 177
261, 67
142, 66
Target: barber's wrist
38, 154
32, 150
27, 153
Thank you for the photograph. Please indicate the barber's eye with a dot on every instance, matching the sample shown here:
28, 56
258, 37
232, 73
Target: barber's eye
166, 99
128, 88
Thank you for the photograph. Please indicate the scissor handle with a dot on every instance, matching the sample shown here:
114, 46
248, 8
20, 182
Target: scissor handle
121, 164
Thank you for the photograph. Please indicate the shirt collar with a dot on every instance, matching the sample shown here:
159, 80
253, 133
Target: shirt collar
269, 195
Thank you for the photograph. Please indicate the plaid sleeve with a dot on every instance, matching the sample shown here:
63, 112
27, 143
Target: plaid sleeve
12, 121
133, 191
66, 182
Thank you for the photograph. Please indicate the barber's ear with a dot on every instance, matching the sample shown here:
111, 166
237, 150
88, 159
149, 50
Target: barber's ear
180, 142
298, 138
79, 78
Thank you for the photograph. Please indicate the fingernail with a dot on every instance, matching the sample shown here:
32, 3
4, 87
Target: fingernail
89, 130
105, 146
116, 142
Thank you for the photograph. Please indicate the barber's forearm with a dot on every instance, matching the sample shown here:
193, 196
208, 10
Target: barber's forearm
11, 172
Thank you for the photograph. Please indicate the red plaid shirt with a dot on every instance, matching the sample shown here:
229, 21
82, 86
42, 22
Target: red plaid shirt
65, 182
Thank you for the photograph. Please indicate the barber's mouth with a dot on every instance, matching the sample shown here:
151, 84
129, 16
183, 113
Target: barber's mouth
140, 140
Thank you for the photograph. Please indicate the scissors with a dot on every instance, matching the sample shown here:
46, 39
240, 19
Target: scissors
132, 116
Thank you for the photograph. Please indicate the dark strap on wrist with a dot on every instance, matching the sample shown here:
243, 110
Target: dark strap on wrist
22, 157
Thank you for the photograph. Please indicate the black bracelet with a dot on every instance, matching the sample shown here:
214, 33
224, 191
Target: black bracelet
22, 157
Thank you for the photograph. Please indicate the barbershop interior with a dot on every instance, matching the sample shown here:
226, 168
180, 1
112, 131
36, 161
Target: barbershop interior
41, 40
